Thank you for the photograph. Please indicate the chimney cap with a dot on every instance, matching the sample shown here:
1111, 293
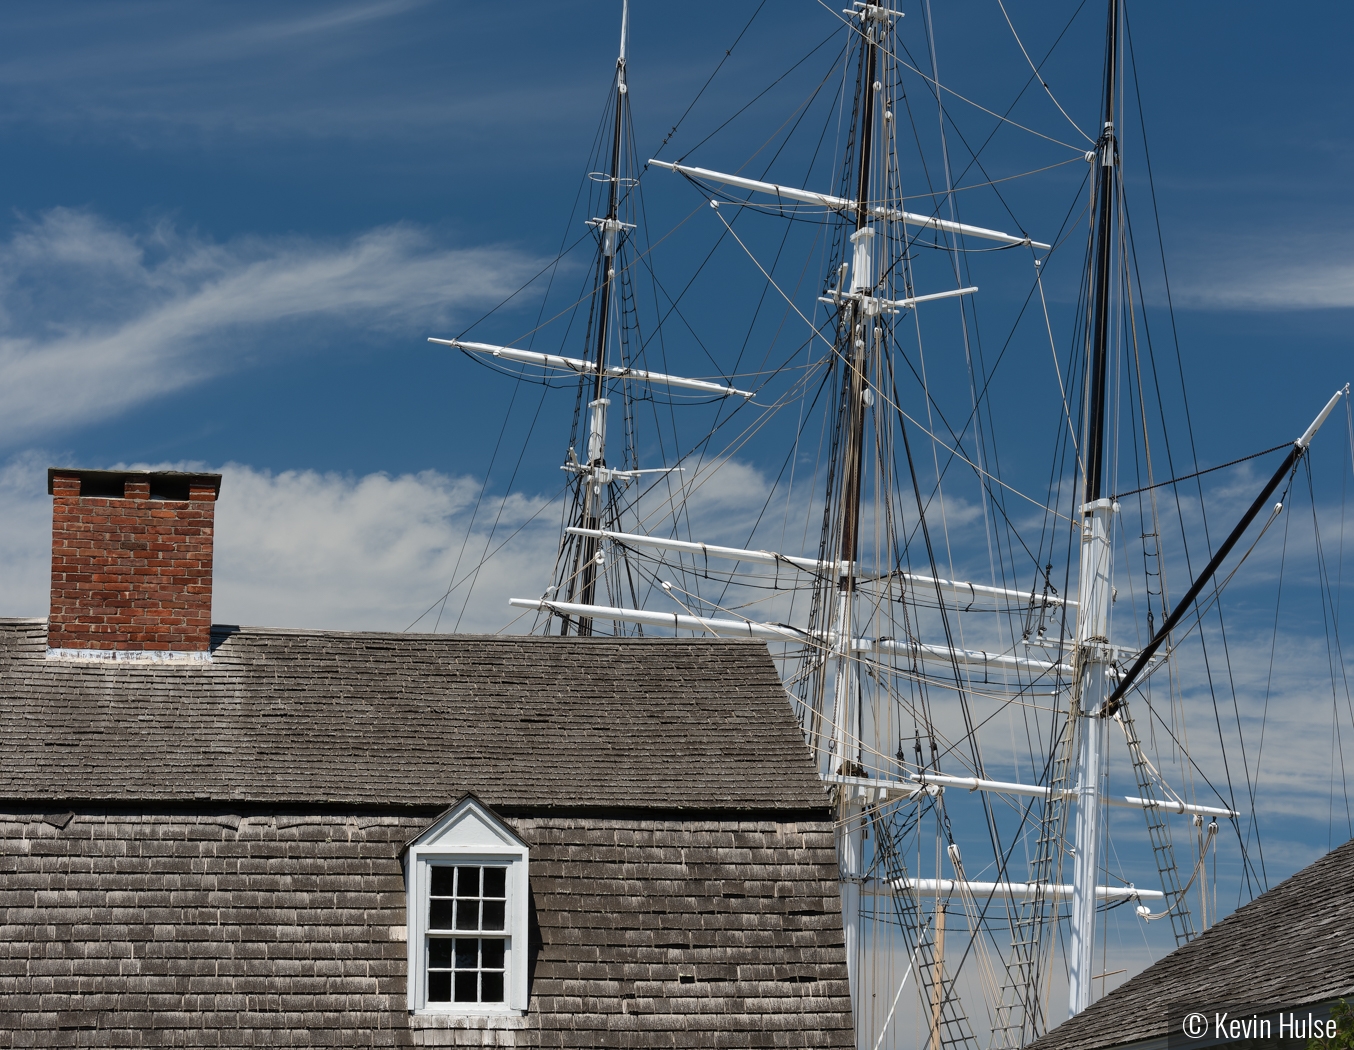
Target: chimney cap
114, 479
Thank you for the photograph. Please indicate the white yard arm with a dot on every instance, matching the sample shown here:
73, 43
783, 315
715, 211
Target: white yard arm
894, 305
981, 890
880, 790
781, 633
1002, 787
930, 297
677, 621
843, 204
967, 657
634, 539
581, 367
1310, 432
877, 791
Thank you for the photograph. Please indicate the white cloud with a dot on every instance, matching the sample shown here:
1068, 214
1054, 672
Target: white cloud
300, 548
1268, 272
305, 549
25, 535
95, 318
326, 551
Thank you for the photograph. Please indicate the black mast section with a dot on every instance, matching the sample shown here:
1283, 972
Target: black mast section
856, 333
612, 215
1100, 273
608, 245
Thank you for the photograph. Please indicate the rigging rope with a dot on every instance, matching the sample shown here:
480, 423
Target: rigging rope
1201, 473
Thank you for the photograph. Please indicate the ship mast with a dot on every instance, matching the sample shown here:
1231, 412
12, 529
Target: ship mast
835, 643
1092, 654
592, 473
857, 335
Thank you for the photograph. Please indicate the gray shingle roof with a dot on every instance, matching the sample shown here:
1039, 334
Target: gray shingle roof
400, 719
1288, 947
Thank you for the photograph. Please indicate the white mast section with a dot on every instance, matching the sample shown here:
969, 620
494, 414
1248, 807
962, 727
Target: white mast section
588, 368
632, 539
1091, 690
842, 204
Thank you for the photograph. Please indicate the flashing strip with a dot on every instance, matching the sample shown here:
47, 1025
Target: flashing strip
131, 656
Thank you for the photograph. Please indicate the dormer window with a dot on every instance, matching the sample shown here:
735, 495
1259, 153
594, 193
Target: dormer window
466, 880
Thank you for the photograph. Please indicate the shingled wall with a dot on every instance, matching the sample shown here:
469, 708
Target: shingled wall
274, 927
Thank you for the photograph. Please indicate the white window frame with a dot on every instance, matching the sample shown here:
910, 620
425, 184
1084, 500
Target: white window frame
469, 834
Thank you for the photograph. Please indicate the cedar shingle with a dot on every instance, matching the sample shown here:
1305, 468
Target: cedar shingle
374, 719
295, 952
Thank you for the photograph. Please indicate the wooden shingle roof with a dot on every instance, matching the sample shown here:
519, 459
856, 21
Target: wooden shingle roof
1288, 947
326, 717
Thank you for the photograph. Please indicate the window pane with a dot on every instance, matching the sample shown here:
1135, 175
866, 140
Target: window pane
439, 915
441, 880
493, 915
492, 950
466, 968
467, 953
467, 882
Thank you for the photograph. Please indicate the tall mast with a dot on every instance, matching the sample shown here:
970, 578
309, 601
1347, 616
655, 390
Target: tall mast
592, 474
1091, 682
857, 335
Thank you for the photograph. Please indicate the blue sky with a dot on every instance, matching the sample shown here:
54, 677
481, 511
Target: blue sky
426, 137
228, 230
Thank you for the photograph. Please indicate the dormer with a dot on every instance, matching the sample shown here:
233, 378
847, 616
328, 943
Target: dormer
468, 900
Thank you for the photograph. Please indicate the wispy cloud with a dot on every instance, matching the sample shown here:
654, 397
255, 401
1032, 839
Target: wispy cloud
179, 39
1278, 271
163, 74
111, 317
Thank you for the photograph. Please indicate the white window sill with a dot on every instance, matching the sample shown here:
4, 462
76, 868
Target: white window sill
483, 1018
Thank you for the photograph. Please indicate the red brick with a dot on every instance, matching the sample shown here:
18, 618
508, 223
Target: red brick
131, 573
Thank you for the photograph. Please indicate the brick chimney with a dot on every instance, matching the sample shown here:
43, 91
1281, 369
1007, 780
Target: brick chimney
131, 564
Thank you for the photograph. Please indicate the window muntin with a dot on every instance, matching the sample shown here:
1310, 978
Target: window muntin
464, 899
466, 969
